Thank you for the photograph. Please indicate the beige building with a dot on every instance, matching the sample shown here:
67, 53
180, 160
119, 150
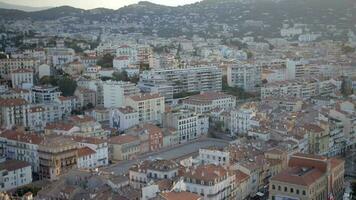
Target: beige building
85, 96
57, 156
308, 177
22, 78
124, 147
150, 107
318, 139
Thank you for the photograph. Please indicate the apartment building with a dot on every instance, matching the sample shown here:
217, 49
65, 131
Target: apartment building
116, 91
124, 147
14, 112
13, 174
57, 156
41, 114
9, 65
17, 145
207, 101
150, 107
309, 177
22, 78
123, 118
160, 87
210, 181
214, 156
45, 94
245, 76
191, 79
318, 139
86, 96
185, 122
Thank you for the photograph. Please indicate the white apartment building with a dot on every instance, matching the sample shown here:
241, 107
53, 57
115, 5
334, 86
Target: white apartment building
210, 181
13, 174
241, 120
60, 56
150, 107
214, 156
191, 79
121, 62
123, 118
41, 114
245, 76
185, 122
21, 146
45, 94
22, 78
130, 52
92, 152
13, 112
163, 89
116, 91
207, 101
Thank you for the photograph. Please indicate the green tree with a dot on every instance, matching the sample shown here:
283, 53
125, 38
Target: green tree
106, 61
346, 88
347, 49
3, 56
120, 76
49, 80
67, 86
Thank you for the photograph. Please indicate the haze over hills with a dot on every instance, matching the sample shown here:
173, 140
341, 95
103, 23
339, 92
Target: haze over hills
21, 7
236, 15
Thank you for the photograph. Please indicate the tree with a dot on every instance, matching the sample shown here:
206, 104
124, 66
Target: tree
264, 81
49, 80
120, 76
3, 56
106, 61
347, 49
346, 88
67, 86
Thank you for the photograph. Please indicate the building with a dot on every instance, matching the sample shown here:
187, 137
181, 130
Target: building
123, 118
121, 62
318, 139
150, 107
22, 78
309, 177
116, 91
179, 195
85, 97
9, 65
185, 122
161, 88
245, 76
210, 181
45, 94
13, 174
191, 79
141, 174
124, 147
14, 112
57, 156
214, 156
207, 101
17, 145
92, 152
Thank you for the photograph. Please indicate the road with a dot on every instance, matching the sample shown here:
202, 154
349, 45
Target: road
170, 153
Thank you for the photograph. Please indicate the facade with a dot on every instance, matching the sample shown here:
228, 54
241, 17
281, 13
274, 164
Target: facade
150, 107
14, 112
86, 96
309, 177
191, 79
185, 122
245, 76
124, 147
22, 78
57, 156
9, 65
16, 145
210, 181
116, 91
13, 174
45, 94
318, 139
214, 156
207, 101
123, 118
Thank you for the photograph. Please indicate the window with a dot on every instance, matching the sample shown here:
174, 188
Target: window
291, 190
297, 191
304, 193
273, 187
279, 188
285, 189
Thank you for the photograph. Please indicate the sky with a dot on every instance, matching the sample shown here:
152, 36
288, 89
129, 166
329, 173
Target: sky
89, 4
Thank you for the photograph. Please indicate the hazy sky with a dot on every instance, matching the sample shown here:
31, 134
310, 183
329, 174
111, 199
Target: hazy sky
88, 4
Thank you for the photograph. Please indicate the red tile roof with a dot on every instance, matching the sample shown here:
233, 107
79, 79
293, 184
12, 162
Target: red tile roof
22, 136
85, 151
12, 102
123, 139
11, 165
299, 176
144, 97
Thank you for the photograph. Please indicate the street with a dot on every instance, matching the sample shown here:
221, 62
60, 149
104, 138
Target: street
122, 167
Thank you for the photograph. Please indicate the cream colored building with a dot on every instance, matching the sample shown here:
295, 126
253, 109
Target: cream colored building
150, 107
